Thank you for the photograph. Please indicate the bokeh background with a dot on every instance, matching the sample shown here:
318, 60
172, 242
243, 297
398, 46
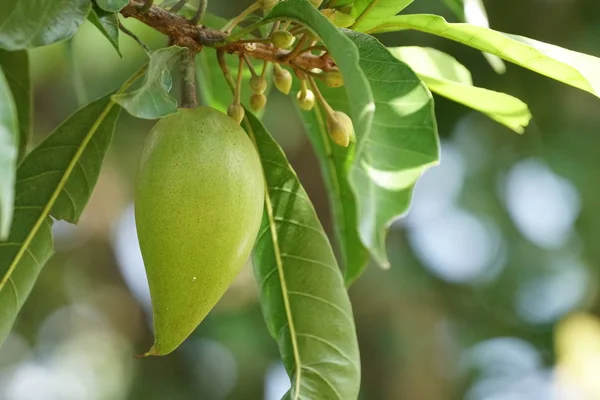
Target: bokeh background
493, 289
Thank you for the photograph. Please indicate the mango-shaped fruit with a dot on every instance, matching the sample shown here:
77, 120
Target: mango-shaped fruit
198, 207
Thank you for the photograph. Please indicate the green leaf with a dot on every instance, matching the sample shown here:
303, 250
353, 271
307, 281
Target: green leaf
573, 68
108, 24
445, 76
9, 152
403, 143
335, 162
304, 301
456, 6
24, 24
112, 5
474, 13
16, 69
152, 100
56, 178
370, 13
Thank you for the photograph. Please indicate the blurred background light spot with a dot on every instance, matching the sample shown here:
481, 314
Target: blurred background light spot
213, 366
542, 205
457, 246
546, 298
277, 382
129, 258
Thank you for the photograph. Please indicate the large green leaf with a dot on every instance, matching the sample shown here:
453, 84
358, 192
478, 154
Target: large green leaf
370, 13
445, 76
108, 24
335, 162
403, 143
56, 179
26, 24
153, 100
112, 5
304, 301
573, 68
9, 152
15, 65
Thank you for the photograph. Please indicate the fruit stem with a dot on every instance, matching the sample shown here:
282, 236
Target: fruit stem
189, 99
264, 68
177, 7
328, 110
234, 22
199, 12
146, 6
134, 37
249, 63
296, 50
225, 69
238, 85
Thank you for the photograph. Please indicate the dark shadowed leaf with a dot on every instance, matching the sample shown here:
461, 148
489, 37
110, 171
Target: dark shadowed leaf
304, 301
9, 151
108, 24
56, 179
15, 65
153, 100
112, 5
24, 24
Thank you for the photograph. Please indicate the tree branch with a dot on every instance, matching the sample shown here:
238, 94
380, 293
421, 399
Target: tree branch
194, 37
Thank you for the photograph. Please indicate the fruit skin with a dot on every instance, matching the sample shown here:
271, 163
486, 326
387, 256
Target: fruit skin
258, 102
283, 80
306, 100
198, 207
334, 79
258, 84
282, 39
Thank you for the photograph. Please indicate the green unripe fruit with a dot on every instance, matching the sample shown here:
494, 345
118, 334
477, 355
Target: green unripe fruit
306, 100
236, 112
283, 80
341, 129
267, 4
198, 207
258, 84
316, 3
334, 79
282, 39
258, 102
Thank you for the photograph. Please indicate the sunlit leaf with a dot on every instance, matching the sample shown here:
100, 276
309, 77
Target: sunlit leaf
573, 68
153, 100
25, 25
56, 179
304, 301
445, 76
474, 13
403, 143
9, 151
370, 13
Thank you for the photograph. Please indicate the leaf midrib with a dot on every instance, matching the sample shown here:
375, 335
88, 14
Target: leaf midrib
284, 291
62, 183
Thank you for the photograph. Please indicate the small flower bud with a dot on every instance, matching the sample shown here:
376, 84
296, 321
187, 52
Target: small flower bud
258, 102
258, 84
282, 39
338, 18
267, 4
340, 128
283, 80
236, 112
306, 100
334, 79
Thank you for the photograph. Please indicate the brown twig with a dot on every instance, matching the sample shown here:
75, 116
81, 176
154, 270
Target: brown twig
194, 37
